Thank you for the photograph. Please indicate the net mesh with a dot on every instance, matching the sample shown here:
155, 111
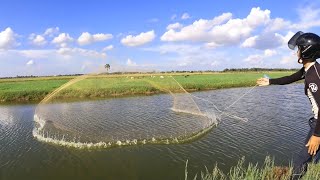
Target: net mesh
99, 111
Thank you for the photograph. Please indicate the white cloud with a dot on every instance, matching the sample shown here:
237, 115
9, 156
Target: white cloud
39, 40
102, 37
269, 52
221, 30
211, 45
189, 56
62, 40
309, 17
181, 49
7, 39
232, 31
14, 62
277, 24
235, 30
107, 48
35, 54
250, 42
306, 21
86, 38
264, 41
267, 41
258, 59
289, 61
138, 40
255, 59
70, 52
185, 16
51, 31
254, 31
174, 26
30, 63
198, 31
258, 17
131, 63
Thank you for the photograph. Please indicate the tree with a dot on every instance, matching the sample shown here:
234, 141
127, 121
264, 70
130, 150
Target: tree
107, 66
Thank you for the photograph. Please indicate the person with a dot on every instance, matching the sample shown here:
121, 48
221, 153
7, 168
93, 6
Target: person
308, 51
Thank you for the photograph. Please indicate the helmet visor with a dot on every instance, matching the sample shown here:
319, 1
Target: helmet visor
293, 41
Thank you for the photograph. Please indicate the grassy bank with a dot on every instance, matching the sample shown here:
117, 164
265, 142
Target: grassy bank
35, 89
268, 171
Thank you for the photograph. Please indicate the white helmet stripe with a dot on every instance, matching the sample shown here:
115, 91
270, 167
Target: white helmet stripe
306, 49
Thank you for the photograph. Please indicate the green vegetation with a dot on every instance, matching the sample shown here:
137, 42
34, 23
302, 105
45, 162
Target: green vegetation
253, 172
34, 90
97, 86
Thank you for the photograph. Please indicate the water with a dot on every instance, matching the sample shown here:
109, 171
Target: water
277, 125
122, 121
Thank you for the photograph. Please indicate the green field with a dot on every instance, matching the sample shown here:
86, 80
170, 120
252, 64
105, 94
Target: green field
101, 86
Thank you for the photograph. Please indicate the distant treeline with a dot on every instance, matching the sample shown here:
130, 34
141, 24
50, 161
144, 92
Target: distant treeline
32, 76
257, 69
156, 72
206, 71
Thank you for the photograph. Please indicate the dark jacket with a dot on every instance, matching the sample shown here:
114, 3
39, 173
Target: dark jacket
311, 83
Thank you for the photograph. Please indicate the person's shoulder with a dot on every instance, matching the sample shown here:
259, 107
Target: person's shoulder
316, 67
314, 72
301, 69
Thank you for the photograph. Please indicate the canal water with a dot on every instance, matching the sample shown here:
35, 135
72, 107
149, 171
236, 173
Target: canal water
277, 125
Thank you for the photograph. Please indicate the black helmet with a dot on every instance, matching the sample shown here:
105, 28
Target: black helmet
308, 44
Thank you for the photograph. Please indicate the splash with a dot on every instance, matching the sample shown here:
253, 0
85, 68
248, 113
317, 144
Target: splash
172, 118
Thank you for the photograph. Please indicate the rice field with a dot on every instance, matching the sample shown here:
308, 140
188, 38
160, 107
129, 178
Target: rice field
102, 86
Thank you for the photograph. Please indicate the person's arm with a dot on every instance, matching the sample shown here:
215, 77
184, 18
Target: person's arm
288, 79
283, 80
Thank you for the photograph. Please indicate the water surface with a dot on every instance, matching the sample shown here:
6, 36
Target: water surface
277, 126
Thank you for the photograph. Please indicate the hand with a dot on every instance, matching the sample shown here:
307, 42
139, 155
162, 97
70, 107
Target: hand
313, 145
263, 82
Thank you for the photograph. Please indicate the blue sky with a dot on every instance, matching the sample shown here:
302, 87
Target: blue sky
66, 37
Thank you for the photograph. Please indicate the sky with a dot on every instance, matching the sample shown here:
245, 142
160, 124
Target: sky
74, 37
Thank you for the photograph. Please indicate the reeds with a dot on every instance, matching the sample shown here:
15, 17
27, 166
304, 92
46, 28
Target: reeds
253, 172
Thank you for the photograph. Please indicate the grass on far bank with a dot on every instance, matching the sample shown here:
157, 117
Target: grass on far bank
100, 86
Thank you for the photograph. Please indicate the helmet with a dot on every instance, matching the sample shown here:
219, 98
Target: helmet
308, 44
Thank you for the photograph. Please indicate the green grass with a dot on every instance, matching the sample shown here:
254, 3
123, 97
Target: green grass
253, 172
35, 89
27, 90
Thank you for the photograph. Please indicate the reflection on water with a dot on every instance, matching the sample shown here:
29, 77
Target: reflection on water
277, 126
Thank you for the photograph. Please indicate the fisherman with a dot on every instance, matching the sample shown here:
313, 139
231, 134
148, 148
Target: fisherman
308, 51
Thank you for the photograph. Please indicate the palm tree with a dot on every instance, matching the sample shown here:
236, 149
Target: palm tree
107, 66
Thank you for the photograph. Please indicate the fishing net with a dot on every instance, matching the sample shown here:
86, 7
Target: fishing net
102, 110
